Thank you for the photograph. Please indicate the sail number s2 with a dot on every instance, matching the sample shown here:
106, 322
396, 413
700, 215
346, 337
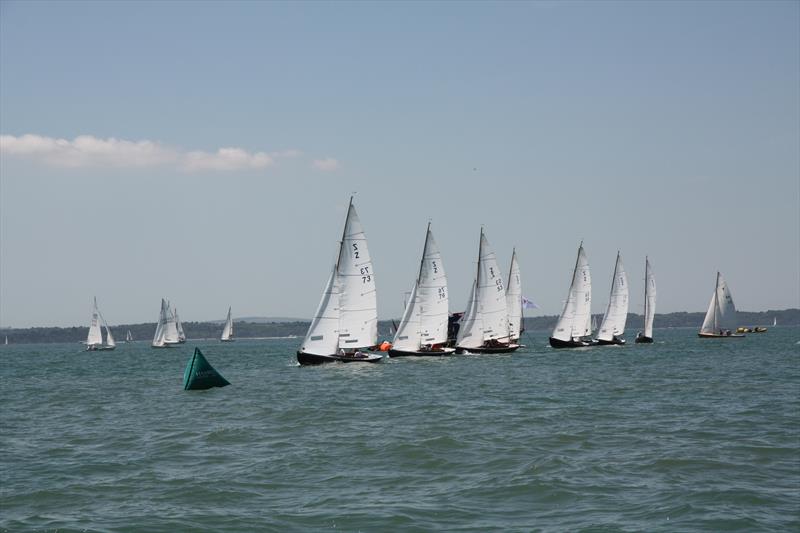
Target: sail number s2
355, 250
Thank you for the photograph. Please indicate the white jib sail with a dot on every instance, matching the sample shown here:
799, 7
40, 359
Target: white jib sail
227, 330
425, 318
617, 311
407, 337
470, 331
710, 320
649, 298
323, 333
109, 337
95, 336
575, 319
158, 338
358, 311
179, 327
491, 294
514, 299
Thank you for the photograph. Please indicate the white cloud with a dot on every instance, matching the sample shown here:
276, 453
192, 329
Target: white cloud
88, 151
328, 164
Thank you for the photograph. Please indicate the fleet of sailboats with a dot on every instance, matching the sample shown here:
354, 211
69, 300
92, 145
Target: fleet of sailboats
484, 326
94, 340
613, 325
646, 336
720, 320
423, 327
227, 329
345, 325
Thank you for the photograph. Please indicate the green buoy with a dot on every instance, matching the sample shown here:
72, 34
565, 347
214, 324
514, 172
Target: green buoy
200, 375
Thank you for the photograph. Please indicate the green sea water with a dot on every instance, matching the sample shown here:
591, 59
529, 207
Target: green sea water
682, 435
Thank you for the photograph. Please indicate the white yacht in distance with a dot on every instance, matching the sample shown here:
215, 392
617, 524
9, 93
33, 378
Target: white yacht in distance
94, 340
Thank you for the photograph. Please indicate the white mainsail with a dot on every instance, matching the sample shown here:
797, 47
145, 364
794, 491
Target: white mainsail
721, 313
358, 311
491, 295
227, 330
424, 320
514, 299
574, 322
617, 311
109, 337
95, 336
128, 336
649, 298
323, 334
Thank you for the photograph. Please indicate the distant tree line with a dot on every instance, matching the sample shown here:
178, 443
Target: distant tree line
212, 330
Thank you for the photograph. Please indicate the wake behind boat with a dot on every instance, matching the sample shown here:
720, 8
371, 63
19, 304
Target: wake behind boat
423, 328
346, 321
573, 329
720, 320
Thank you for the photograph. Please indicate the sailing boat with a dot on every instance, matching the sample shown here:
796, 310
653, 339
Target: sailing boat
774, 323
613, 325
484, 326
94, 340
594, 324
128, 337
514, 299
720, 321
179, 327
166, 334
227, 330
573, 329
347, 317
649, 304
423, 328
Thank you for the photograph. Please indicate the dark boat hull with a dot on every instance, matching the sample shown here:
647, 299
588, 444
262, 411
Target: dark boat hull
644, 340
314, 359
403, 353
99, 348
615, 342
506, 348
558, 343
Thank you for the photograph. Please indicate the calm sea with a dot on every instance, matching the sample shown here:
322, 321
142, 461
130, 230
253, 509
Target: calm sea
686, 434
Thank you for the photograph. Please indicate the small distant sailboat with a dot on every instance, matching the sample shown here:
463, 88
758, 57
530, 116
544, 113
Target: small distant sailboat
166, 334
128, 337
613, 325
594, 324
200, 375
179, 327
94, 340
573, 329
227, 330
346, 321
774, 323
646, 336
720, 320
6, 340
514, 300
484, 326
423, 328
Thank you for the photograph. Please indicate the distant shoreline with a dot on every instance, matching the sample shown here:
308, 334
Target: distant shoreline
263, 328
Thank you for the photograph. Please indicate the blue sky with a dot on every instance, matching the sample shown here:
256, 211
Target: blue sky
662, 128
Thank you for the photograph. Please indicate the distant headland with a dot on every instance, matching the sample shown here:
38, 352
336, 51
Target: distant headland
261, 327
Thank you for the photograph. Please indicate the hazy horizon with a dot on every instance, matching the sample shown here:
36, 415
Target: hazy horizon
205, 152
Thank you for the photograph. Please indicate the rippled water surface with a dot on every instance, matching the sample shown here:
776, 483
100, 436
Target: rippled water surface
685, 434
